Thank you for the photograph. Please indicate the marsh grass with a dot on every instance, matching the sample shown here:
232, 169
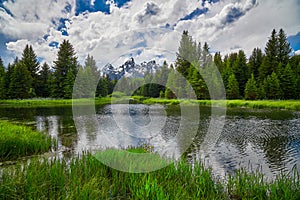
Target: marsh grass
18, 140
87, 178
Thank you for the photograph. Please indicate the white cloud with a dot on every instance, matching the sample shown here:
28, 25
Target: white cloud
229, 24
297, 52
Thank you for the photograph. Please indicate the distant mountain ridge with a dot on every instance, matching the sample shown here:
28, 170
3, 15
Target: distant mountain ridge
130, 69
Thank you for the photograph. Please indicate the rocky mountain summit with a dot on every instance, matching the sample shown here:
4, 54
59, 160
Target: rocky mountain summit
130, 69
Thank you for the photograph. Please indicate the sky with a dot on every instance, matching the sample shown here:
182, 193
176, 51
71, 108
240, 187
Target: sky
111, 31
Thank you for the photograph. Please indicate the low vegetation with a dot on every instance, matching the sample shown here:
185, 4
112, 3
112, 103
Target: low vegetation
88, 178
17, 141
268, 104
255, 104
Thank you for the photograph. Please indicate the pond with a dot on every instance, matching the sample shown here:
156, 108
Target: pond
265, 140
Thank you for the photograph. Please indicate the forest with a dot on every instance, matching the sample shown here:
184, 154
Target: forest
272, 73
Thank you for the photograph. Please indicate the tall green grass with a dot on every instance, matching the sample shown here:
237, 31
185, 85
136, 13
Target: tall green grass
88, 178
17, 141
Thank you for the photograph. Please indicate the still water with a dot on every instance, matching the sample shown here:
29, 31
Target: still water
265, 140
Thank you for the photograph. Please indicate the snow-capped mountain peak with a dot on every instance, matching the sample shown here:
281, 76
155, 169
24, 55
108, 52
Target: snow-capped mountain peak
130, 69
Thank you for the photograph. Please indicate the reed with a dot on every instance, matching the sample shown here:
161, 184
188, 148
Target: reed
17, 141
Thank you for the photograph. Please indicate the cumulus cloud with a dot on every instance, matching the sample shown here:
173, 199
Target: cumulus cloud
142, 25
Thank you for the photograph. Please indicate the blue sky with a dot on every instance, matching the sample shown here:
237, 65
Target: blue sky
113, 30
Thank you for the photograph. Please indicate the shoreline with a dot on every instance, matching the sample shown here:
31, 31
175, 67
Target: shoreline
293, 105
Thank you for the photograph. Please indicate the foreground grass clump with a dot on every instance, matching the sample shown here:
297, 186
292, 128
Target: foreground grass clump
17, 141
88, 178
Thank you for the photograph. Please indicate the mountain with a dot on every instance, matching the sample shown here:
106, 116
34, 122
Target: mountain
130, 69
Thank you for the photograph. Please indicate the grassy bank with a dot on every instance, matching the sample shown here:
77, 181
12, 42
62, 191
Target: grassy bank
282, 104
87, 178
278, 104
52, 102
17, 141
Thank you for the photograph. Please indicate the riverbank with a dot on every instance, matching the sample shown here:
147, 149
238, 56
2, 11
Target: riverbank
18, 141
88, 178
259, 104
52, 102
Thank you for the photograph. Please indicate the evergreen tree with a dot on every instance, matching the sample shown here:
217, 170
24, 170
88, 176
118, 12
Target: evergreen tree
68, 85
91, 63
240, 71
29, 59
251, 91
288, 83
255, 62
43, 88
102, 88
232, 90
8, 77
199, 85
87, 80
21, 81
272, 87
206, 57
270, 61
187, 54
65, 65
218, 61
261, 91
2, 80
284, 48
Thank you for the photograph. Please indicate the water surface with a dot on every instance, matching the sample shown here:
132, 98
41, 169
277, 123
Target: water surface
268, 140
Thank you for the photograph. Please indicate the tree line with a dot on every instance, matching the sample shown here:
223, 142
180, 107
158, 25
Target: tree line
272, 74
26, 78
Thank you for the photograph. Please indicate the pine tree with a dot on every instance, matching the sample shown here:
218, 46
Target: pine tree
187, 54
8, 77
232, 90
270, 62
2, 80
261, 91
251, 91
288, 83
29, 59
272, 87
218, 61
91, 63
43, 89
206, 57
68, 85
21, 81
284, 48
199, 85
66, 64
255, 62
102, 88
240, 70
